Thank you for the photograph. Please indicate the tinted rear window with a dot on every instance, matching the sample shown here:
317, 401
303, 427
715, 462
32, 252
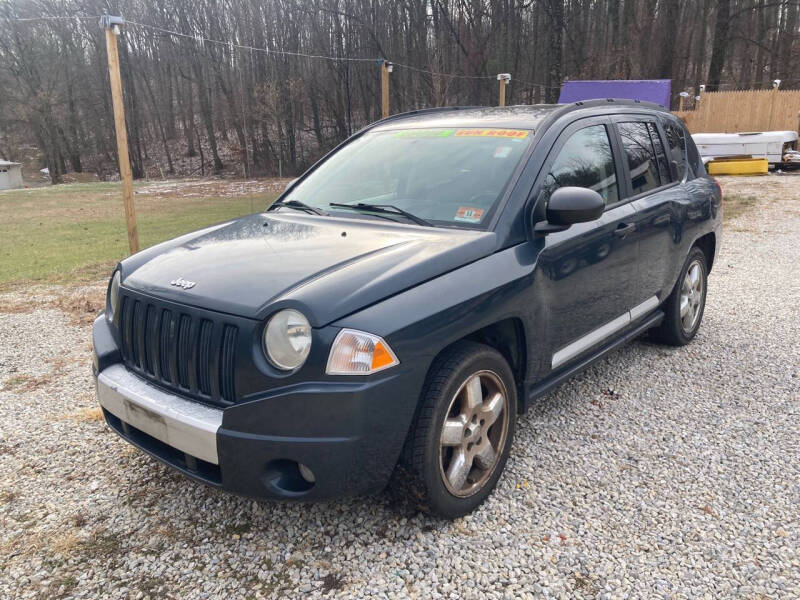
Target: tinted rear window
641, 156
696, 166
676, 143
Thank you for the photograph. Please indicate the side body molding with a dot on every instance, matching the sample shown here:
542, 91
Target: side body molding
596, 336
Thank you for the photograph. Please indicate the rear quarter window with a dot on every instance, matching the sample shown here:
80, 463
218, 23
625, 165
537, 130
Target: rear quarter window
696, 166
676, 148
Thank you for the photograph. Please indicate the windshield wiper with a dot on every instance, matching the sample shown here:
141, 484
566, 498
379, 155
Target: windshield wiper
297, 205
385, 209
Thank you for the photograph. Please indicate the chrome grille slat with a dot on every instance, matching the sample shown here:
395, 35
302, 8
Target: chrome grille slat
176, 349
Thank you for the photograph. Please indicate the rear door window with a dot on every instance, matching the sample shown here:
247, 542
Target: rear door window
642, 161
663, 167
585, 160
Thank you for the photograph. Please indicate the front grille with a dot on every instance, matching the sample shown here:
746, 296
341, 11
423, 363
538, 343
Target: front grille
195, 356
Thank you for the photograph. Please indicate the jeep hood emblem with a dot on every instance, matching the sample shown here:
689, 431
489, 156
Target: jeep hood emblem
182, 283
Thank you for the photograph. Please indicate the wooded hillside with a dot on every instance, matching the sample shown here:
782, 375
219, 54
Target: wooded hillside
285, 80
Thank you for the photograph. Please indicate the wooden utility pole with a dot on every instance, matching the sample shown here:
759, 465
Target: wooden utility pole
111, 25
503, 78
386, 68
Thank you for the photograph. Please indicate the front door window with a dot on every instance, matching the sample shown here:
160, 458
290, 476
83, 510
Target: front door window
585, 160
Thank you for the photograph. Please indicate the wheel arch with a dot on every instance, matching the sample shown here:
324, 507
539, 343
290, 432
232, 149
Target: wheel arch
508, 337
708, 244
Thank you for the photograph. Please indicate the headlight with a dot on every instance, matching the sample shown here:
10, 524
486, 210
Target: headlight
113, 296
287, 339
358, 353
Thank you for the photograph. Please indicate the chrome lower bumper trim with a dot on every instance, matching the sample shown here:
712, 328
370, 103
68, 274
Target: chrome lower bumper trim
185, 425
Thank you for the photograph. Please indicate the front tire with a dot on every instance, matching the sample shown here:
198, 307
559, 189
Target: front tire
458, 446
685, 305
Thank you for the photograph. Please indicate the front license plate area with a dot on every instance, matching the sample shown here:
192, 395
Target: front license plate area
145, 420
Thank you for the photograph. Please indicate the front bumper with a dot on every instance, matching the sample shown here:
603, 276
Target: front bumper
307, 441
184, 425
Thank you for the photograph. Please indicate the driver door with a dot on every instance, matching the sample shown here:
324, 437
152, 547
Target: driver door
585, 275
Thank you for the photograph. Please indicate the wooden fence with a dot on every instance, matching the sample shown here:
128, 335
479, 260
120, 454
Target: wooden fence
740, 111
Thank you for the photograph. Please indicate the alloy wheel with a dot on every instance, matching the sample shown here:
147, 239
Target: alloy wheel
474, 433
692, 296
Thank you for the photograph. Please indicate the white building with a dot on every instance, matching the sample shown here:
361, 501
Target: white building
10, 175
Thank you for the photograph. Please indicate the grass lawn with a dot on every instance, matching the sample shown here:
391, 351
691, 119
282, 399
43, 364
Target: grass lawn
76, 232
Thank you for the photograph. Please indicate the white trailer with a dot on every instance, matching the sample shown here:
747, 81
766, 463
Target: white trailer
778, 147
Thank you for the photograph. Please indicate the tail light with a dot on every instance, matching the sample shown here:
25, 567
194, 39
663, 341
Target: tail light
719, 188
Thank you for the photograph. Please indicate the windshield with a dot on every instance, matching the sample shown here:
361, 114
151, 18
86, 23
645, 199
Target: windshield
450, 177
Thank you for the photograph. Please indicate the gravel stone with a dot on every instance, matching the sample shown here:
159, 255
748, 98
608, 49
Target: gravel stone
657, 473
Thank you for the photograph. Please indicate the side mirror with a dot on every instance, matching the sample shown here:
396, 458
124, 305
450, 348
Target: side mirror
570, 205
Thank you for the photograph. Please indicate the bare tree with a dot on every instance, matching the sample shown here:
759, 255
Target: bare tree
261, 86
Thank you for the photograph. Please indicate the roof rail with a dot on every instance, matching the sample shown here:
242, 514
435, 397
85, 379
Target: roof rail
565, 108
619, 101
421, 111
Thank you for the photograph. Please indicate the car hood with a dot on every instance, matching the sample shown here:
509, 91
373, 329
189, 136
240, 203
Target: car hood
328, 267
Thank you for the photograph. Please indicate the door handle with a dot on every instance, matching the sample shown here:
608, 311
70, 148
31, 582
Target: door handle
624, 229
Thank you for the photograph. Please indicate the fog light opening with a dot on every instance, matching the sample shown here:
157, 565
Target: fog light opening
288, 477
306, 473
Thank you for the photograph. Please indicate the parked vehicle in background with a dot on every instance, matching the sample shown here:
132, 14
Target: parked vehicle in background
401, 303
778, 147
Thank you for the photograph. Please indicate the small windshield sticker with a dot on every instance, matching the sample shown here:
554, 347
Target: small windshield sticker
499, 133
469, 215
502, 151
424, 133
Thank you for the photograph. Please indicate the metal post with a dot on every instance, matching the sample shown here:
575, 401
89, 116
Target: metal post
111, 25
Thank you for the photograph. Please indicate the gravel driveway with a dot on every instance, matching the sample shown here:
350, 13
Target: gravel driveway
658, 473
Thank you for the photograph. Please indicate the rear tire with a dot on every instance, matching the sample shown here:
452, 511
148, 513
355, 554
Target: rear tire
684, 307
460, 441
